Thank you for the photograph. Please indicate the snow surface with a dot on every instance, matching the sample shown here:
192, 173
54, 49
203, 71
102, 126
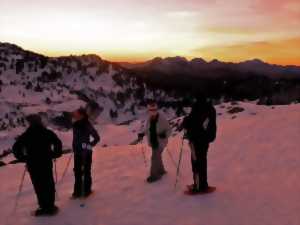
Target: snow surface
254, 163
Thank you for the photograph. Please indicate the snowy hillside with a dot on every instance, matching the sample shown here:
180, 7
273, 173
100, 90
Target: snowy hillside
32, 83
254, 164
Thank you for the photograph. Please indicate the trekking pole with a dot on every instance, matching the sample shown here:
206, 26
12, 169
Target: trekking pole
14, 210
55, 177
172, 158
179, 162
19, 191
55, 171
144, 155
66, 168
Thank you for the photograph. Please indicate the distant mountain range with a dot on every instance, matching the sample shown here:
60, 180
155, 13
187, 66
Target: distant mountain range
199, 67
214, 68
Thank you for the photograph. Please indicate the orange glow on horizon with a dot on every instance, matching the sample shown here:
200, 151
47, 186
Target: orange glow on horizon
283, 52
137, 30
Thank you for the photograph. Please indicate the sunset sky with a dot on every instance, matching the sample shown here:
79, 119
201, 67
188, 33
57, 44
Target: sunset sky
138, 30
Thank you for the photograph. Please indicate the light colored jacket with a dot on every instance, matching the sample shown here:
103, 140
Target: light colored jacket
161, 127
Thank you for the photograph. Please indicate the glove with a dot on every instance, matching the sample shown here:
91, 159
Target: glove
87, 147
185, 136
141, 135
162, 135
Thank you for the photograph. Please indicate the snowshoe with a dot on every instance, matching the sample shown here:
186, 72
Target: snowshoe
46, 212
163, 173
152, 179
75, 196
193, 191
190, 186
87, 194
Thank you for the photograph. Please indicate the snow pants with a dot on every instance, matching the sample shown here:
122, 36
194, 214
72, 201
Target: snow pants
82, 172
44, 186
157, 166
199, 164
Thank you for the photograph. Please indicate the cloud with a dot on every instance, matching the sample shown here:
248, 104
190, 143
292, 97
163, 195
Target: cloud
231, 30
182, 14
282, 12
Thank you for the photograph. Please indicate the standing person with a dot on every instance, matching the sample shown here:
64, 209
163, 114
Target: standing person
38, 146
83, 131
157, 130
200, 126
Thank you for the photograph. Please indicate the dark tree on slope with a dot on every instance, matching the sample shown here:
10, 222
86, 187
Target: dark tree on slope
12, 64
48, 101
35, 67
121, 98
49, 77
30, 66
132, 109
19, 66
113, 114
43, 62
28, 85
3, 65
38, 88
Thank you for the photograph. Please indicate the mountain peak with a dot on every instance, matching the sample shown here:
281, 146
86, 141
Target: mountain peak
176, 58
198, 61
215, 62
9, 46
156, 59
254, 61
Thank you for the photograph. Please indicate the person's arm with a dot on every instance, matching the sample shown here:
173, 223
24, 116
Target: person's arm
57, 145
183, 124
94, 134
18, 149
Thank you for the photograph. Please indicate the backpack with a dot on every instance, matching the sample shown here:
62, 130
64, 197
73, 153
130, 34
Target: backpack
211, 130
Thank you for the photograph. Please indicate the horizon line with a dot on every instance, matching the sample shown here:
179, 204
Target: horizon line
189, 59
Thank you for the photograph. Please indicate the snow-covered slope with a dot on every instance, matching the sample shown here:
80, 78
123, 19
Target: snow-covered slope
254, 163
53, 87
33, 83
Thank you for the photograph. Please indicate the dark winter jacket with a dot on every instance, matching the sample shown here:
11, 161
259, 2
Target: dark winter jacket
200, 124
37, 146
82, 132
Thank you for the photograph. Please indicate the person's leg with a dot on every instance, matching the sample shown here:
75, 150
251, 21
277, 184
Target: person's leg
194, 166
203, 169
155, 163
34, 176
78, 174
201, 154
88, 173
48, 187
160, 164
44, 186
